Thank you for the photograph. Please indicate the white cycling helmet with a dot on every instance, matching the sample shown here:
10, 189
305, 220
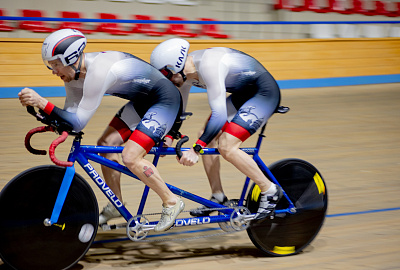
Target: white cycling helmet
66, 45
170, 55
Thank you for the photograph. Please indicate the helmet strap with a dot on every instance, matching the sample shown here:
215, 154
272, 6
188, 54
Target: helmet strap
183, 74
78, 70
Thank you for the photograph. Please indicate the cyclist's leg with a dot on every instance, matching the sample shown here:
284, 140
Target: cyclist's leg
253, 114
229, 149
255, 106
270, 193
115, 134
155, 124
212, 166
152, 128
111, 137
211, 163
133, 157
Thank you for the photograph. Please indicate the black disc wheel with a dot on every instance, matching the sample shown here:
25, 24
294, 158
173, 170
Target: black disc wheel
288, 234
26, 201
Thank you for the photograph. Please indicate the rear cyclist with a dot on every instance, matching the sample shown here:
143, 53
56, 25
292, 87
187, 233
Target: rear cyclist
154, 104
254, 97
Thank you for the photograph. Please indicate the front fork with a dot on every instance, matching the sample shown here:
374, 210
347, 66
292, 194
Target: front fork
65, 185
62, 194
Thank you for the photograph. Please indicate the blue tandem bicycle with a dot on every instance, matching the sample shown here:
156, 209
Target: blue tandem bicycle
50, 216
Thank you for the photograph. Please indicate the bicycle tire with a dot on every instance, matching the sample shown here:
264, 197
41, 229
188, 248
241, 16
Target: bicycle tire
289, 234
26, 201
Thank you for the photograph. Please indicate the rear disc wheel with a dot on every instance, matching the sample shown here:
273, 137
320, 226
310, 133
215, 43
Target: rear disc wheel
288, 234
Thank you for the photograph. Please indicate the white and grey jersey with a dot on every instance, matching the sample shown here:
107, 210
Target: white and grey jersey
225, 70
114, 73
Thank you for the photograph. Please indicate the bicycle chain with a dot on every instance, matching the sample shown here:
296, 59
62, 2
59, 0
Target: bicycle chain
187, 211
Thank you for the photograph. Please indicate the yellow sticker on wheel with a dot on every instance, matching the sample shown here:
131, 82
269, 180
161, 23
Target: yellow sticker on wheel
320, 184
255, 193
284, 250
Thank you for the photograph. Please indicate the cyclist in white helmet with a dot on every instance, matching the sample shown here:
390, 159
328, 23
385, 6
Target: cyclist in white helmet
153, 105
255, 96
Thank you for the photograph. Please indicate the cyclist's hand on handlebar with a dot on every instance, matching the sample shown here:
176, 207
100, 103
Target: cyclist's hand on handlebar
189, 158
167, 142
29, 97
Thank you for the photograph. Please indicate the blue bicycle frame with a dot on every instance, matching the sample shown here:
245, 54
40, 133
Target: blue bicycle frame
83, 153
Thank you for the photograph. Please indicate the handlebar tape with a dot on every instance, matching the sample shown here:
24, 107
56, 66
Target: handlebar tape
52, 150
179, 145
29, 136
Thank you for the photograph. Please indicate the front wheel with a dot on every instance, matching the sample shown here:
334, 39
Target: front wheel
288, 234
26, 201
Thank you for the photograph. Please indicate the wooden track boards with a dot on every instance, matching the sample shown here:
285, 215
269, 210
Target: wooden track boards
351, 134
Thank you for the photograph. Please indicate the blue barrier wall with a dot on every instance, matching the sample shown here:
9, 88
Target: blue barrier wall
58, 91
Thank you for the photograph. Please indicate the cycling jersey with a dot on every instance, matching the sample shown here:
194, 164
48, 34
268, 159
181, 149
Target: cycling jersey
255, 93
154, 98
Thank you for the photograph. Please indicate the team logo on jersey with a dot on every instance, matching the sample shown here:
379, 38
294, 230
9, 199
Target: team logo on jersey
143, 81
248, 73
153, 125
250, 118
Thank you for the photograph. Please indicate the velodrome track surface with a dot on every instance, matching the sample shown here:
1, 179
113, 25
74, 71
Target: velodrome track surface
350, 133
